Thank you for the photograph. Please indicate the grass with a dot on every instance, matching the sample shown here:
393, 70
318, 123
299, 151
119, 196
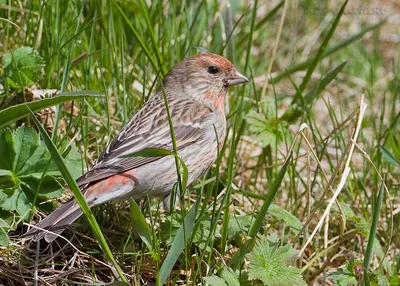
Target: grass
323, 61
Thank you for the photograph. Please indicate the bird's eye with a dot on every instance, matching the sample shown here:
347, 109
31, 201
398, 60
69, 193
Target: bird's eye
213, 69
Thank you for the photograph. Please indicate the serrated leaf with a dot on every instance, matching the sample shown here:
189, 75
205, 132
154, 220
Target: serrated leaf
16, 200
343, 278
293, 222
238, 225
201, 236
266, 130
23, 67
30, 170
270, 264
346, 209
231, 278
214, 281
228, 277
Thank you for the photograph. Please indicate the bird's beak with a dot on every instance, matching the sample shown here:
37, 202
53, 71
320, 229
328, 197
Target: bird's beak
237, 78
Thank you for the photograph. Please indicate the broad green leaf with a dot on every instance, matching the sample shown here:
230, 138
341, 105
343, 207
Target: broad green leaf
228, 277
8, 180
266, 130
16, 200
214, 281
26, 141
23, 67
78, 194
3, 237
292, 221
238, 225
231, 278
16, 112
31, 170
7, 152
343, 278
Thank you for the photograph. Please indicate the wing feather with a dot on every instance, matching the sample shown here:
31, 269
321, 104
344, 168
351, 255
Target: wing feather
191, 121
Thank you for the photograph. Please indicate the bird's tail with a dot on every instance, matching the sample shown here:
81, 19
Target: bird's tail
56, 222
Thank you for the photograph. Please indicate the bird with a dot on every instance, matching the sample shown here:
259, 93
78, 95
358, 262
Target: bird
195, 89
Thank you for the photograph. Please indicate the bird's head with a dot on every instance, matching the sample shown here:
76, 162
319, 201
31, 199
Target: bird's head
204, 77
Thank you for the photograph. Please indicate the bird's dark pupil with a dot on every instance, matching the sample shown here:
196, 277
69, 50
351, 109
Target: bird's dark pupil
213, 69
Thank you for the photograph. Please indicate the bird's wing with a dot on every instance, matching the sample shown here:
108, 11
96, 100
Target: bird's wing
149, 128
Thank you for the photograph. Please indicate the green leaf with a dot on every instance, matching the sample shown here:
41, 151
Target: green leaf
343, 278
371, 238
346, 209
228, 277
179, 243
26, 141
231, 278
389, 157
16, 112
8, 180
330, 50
258, 222
201, 236
16, 200
7, 152
77, 194
271, 264
292, 221
238, 225
31, 171
141, 226
23, 67
295, 110
3, 237
214, 281
266, 130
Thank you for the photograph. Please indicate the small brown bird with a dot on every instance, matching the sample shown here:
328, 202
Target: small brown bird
196, 88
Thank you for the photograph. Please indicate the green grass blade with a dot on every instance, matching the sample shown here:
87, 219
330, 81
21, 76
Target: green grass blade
328, 51
139, 39
179, 243
16, 112
152, 36
372, 233
320, 52
141, 226
77, 194
389, 157
292, 114
151, 152
250, 40
257, 224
